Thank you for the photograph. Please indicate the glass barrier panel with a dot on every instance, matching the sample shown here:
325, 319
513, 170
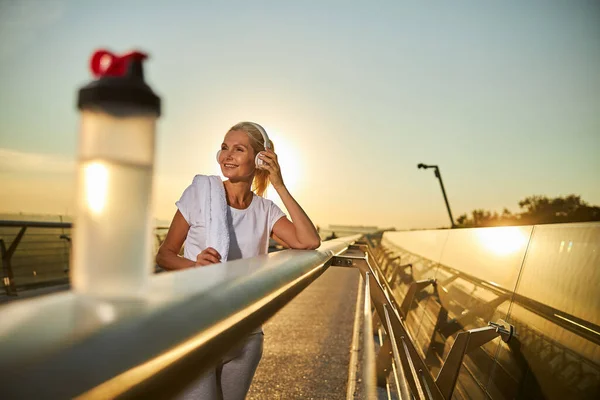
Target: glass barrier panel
478, 272
421, 249
556, 313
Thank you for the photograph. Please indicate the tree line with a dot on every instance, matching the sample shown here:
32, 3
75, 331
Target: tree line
534, 210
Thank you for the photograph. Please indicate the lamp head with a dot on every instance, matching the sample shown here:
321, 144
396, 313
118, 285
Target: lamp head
424, 166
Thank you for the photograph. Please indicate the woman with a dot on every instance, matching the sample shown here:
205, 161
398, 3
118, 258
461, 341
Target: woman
249, 163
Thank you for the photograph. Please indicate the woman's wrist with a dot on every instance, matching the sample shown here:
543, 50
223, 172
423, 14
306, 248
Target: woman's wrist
279, 187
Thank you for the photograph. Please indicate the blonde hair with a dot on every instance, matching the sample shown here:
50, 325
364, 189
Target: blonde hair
261, 176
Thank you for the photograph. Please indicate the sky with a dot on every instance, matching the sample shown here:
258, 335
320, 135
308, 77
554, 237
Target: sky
503, 96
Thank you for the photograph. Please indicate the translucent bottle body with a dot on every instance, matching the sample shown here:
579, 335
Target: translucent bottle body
112, 232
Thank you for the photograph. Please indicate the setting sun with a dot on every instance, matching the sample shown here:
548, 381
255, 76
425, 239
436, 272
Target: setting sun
289, 161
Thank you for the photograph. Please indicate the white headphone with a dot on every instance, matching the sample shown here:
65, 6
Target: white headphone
257, 161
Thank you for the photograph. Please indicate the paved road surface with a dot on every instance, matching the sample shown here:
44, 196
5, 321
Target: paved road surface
307, 344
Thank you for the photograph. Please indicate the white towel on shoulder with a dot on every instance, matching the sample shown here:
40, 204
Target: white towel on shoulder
214, 207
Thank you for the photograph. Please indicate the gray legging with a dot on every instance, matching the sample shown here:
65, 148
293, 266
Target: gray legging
231, 378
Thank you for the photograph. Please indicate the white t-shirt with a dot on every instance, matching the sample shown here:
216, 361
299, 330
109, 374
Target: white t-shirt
249, 229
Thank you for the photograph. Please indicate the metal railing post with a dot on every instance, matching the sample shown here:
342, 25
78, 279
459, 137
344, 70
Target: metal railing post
408, 298
465, 342
8, 278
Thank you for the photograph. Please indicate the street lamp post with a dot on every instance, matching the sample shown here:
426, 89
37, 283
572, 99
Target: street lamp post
439, 176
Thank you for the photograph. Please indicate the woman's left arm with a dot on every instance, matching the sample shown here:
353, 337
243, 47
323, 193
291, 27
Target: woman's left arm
300, 232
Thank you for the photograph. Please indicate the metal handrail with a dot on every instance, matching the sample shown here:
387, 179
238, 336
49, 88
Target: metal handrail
369, 374
43, 224
34, 224
400, 376
66, 345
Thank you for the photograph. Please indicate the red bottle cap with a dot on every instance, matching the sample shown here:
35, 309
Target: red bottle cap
120, 83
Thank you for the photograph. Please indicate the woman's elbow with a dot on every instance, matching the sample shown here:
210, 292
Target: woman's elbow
161, 257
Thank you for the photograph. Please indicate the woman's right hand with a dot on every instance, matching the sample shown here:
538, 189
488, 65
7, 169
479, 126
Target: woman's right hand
208, 256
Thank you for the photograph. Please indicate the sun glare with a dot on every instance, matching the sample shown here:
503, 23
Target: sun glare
502, 240
289, 162
96, 183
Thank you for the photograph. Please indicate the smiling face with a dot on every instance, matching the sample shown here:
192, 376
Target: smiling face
237, 156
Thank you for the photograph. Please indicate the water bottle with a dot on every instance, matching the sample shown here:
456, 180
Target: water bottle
112, 232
